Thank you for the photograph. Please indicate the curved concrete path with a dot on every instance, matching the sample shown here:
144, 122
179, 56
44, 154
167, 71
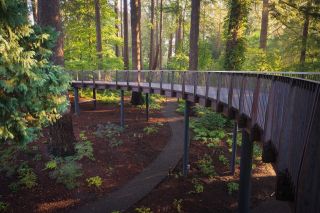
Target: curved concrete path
150, 177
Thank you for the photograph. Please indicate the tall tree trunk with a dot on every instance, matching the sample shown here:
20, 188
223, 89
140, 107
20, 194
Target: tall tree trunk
35, 10
179, 29
305, 32
194, 35
116, 11
170, 47
136, 98
125, 35
98, 33
62, 139
160, 36
264, 25
234, 56
151, 52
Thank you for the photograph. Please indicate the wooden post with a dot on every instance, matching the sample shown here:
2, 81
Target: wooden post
234, 147
76, 101
186, 139
245, 172
122, 109
147, 106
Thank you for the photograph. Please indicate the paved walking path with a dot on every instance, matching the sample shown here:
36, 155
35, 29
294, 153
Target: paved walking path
150, 177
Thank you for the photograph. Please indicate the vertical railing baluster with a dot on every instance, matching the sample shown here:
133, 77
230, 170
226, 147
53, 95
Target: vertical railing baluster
127, 77
183, 83
161, 78
219, 87
208, 75
195, 84
117, 78
172, 81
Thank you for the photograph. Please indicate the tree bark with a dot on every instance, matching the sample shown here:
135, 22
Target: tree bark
116, 11
194, 35
170, 47
62, 139
125, 35
179, 29
160, 36
98, 33
151, 52
136, 98
305, 33
264, 25
35, 10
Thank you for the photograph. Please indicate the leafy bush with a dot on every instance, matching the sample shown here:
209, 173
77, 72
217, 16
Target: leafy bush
84, 148
27, 177
177, 204
206, 166
51, 165
32, 89
208, 126
232, 187
105, 96
3, 206
197, 186
257, 152
111, 132
143, 210
223, 160
152, 128
94, 181
67, 172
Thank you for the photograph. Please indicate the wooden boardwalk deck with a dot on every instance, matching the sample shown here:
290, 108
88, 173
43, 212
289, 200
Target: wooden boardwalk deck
280, 110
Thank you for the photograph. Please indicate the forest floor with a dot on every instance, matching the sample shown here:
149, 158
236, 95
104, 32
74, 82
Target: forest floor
127, 156
202, 192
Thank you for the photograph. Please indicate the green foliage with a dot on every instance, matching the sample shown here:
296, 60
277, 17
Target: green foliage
8, 158
105, 96
257, 152
232, 187
206, 166
84, 148
143, 210
155, 102
94, 181
197, 186
208, 126
177, 204
4, 206
27, 177
31, 89
51, 165
111, 132
67, 172
80, 44
179, 62
152, 128
223, 160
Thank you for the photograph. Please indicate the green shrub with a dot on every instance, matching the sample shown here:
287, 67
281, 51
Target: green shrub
94, 181
206, 166
84, 148
177, 204
111, 132
257, 152
223, 160
3, 206
197, 186
51, 165
152, 128
105, 96
232, 187
27, 177
67, 172
143, 210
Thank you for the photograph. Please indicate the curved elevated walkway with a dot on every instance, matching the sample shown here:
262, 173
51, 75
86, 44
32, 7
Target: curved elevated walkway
282, 110
151, 176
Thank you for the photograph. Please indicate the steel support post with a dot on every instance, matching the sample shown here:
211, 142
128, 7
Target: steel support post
234, 147
245, 172
147, 106
186, 139
76, 101
122, 108
94, 96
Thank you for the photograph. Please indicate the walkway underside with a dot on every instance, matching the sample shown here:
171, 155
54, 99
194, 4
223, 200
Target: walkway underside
282, 111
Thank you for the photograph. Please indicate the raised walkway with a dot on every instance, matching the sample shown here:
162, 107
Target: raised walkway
150, 177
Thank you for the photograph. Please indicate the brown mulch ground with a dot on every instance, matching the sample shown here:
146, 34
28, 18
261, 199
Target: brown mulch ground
175, 193
115, 166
